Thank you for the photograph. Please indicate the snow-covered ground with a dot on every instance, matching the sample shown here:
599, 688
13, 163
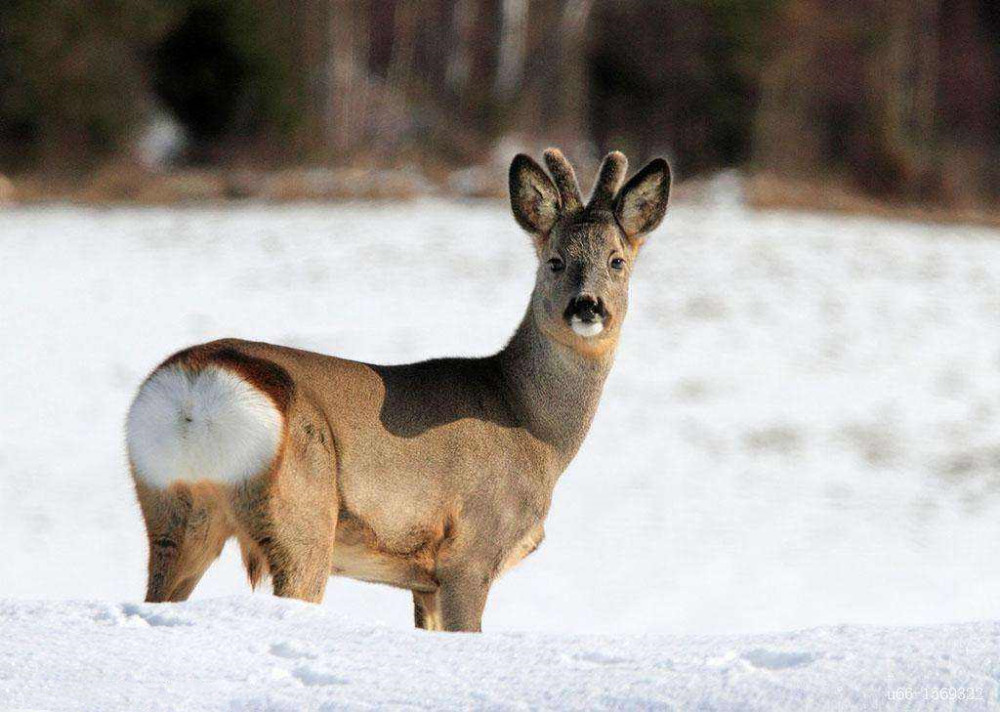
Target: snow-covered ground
802, 429
258, 653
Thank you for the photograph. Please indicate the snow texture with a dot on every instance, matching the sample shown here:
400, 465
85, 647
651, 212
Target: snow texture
256, 653
802, 431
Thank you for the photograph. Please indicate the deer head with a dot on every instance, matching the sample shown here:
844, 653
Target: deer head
585, 252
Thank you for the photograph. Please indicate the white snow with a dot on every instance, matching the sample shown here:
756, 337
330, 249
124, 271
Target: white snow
257, 653
802, 429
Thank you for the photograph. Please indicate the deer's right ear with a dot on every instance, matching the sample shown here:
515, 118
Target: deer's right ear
533, 197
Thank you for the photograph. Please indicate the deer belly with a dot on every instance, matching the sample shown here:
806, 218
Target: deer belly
531, 541
358, 554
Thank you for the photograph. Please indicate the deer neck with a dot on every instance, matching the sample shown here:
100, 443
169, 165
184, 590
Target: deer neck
553, 386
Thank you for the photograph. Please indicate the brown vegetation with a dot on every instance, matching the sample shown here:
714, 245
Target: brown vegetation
857, 103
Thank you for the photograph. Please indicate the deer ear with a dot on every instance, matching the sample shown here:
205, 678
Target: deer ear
533, 197
642, 203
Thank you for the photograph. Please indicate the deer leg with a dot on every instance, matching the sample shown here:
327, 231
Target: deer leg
291, 515
187, 530
462, 599
298, 556
297, 544
427, 610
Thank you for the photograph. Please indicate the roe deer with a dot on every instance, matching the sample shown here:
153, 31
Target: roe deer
434, 477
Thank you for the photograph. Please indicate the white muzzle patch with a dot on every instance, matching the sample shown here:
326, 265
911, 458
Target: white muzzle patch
586, 329
201, 425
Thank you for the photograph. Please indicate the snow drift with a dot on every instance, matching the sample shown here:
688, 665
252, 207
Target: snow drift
802, 429
255, 653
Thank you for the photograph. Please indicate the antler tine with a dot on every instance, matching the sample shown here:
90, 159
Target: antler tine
609, 180
565, 179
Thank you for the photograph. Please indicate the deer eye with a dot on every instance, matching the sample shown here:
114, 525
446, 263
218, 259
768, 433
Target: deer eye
618, 263
556, 264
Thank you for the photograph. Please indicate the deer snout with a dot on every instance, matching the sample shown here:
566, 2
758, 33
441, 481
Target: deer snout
586, 315
587, 307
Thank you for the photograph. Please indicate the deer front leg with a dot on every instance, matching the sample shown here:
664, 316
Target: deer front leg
462, 598
427, 610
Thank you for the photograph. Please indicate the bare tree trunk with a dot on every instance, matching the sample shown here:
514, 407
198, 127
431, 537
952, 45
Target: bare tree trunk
459, 64
571, 94
349, 100
904, 85
510, 69
404, 46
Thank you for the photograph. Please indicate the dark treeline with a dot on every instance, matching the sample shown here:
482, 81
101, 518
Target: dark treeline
898, 98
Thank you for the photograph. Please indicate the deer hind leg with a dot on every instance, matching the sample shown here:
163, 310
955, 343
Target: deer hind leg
288, 518
187, 527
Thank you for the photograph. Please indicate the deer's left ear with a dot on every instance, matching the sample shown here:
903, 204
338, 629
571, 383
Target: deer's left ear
642, 203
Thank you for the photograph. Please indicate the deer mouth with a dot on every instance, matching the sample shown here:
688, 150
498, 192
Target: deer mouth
586, 316
586, 329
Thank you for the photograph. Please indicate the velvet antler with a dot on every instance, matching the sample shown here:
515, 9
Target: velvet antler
565, 180
609, 181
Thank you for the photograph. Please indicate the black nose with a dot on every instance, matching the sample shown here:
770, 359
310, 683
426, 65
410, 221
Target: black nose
586, 307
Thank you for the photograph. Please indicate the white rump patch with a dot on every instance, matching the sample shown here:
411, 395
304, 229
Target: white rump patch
201, 425
586, 329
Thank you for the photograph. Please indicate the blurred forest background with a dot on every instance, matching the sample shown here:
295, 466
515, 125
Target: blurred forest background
896, 101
